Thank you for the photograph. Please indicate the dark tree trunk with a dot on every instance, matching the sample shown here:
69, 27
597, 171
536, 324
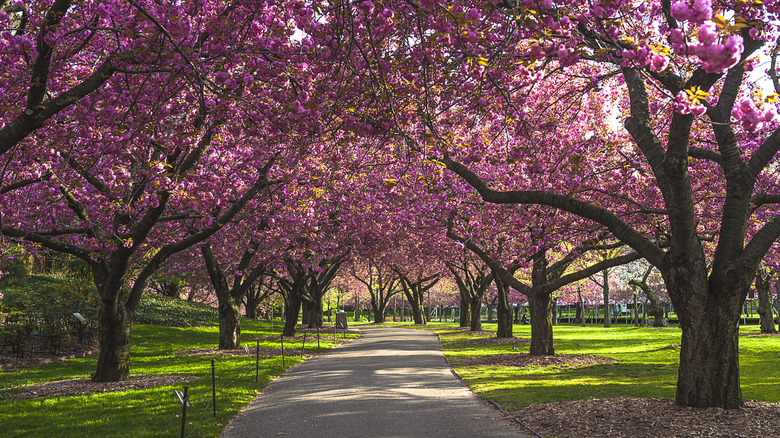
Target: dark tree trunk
464, 312
653, 307
229, 326
504, 310
379, 314
578, 318
114, 328
417, 313
709, 319
476, 314
539, 304
251, 310
304, 314
292, 307
765, 313
313, 314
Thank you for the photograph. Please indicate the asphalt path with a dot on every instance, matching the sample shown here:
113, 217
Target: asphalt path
391, 382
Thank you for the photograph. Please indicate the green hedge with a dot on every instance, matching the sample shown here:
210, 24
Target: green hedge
44, 305
172, 312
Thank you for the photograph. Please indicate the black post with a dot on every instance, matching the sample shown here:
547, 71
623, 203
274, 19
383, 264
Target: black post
81, 332
304, 344
184, 411
257, 362
318, 338
213, 388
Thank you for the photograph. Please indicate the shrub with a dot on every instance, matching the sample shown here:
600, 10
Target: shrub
157, 309
44, 305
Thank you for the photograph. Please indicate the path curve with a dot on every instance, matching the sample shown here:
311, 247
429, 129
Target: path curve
391, 382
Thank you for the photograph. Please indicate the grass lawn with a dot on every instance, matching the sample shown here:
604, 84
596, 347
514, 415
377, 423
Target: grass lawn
648, 365
150, 412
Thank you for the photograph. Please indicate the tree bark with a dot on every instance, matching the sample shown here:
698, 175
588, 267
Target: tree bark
114, 328
505, 311
653, 308
709, 319
476, 314
464, 312
416, 305
292, 308
229, 325
765, 313
313, 313
540, 305
379, 314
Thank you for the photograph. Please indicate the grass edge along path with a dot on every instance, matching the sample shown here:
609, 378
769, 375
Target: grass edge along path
648, 361
154, 412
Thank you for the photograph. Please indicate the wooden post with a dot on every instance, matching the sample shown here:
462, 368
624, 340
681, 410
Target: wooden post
184, 411
213, 388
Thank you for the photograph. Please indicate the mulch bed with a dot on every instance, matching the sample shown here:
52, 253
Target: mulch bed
495, 340
264, 352
525, 359
85, 385
38, 353
646, 417
466, 331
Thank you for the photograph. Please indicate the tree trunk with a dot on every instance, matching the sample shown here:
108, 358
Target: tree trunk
229, 326
417, 314
578, 314
114, 359
251, 310
709, 319
539, 304
505, 312
709, 363
292, 307
464, 312
653, 307
312, 313
504, 323
765, 313
476, 314
379, 314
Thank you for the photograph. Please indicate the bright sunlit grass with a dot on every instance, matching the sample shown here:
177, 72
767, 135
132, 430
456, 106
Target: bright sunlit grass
150, 412
648, 361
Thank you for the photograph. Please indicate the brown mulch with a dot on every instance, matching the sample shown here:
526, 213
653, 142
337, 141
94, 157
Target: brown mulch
38, 353
466, 331
759, 334
646, 417
264, 352
85, 385
525, 359
495, 340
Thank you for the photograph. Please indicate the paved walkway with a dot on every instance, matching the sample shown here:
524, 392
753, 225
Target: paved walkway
391, 382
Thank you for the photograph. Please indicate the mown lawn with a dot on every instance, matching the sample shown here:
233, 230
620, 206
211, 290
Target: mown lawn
150, 412
647, 367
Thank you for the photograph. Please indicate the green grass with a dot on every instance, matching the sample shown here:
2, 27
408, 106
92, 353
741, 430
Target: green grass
149, 412
647, 367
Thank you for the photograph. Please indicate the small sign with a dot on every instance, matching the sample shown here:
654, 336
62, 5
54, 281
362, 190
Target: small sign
181, 396
79, 317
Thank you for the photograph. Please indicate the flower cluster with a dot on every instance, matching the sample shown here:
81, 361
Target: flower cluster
691, 102
696, 12
753, 116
